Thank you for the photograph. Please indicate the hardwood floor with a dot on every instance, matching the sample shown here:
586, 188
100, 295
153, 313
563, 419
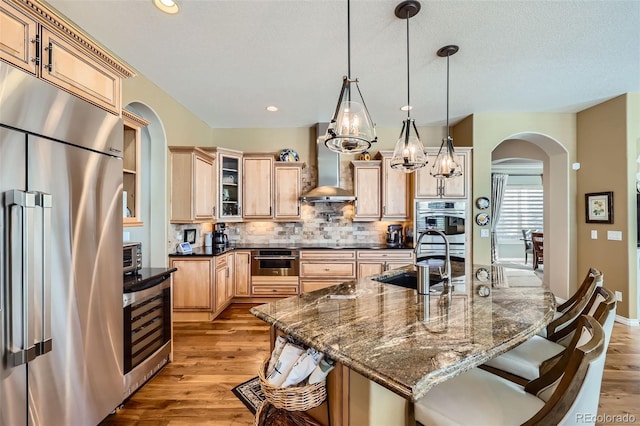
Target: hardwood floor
211, 358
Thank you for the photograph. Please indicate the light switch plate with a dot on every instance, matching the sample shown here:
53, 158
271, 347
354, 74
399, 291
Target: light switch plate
614, 235
594, 234
484, 233
126, 235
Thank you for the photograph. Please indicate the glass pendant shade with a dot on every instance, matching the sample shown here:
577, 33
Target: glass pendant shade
351, 130
445, 165
408, 154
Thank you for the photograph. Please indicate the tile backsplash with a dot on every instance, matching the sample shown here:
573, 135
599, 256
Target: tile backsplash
322, 223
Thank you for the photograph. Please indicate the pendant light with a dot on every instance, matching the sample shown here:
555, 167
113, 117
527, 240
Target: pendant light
445, 165
408, 154
351, 130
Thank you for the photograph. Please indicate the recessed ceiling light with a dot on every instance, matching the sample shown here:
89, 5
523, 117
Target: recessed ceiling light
167, 6
272, 108
406, 108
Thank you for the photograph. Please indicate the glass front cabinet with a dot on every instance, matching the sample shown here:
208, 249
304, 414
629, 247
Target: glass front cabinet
229, 185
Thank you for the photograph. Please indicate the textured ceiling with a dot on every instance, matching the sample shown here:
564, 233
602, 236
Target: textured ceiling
227, 60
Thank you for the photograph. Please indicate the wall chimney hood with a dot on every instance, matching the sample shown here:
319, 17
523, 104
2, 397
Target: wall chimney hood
328, 190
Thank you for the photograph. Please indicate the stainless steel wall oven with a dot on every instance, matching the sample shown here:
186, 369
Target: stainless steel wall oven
446, 216
273, 263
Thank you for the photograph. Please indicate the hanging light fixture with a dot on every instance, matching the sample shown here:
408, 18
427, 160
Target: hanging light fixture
408, 154
445, 165
351, 130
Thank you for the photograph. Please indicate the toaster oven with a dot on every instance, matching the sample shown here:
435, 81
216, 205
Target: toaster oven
131, 258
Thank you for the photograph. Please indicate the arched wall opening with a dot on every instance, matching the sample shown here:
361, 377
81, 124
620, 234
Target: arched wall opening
556, 187
153, 234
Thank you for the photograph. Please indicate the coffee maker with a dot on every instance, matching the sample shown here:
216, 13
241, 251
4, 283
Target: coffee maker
220, 238
394, 236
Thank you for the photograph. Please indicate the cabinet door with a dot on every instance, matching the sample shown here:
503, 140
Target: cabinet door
242, 274
203, 188
287, 191
366, 269
257, 188
366, 182
69, 68
221, 287
230, 278
17, 38
395, 192
426, 186
131, 168
230, 184
192, 284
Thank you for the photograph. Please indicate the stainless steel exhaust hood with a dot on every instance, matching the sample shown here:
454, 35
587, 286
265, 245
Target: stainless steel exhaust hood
328, 189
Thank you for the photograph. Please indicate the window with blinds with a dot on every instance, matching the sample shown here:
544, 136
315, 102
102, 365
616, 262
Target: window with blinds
522, 208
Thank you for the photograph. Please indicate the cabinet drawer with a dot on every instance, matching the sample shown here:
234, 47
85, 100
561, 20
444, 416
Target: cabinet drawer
311, 285
328, 270
385, 255
274, 290
328, 254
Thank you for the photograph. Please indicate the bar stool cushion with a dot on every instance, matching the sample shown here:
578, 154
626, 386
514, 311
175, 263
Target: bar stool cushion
459, 401
525, 360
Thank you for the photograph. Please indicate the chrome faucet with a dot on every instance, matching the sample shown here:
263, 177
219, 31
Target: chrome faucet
447, 257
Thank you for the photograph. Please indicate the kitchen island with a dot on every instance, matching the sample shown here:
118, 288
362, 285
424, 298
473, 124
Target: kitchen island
389, 338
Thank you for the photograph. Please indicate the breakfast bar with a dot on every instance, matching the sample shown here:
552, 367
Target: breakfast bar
406, 343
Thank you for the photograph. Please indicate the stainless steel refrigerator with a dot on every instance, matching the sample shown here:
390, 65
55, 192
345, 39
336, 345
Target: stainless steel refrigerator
61, 250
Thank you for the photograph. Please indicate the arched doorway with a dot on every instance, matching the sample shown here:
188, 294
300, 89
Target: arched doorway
154, 233
556, 187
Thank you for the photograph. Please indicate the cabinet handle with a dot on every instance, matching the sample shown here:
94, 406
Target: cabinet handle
298, 209
213, 209
37, 42
50, 49
227, 272
239, 210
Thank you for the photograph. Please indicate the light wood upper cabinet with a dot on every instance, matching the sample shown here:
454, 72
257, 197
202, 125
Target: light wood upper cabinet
17, 30
228, 190
192, 185
257, 187
131, 168
66, 66
396, 190
426, 186
40, 41
367, 180
287, 190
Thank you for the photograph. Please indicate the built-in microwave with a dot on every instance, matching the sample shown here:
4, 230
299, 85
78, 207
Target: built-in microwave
131, 257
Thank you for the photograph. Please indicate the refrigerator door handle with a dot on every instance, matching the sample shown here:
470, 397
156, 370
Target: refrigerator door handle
44, 202
20, 341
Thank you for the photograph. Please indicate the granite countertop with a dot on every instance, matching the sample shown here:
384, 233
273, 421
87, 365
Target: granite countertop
219, 250
408, 342
144, 278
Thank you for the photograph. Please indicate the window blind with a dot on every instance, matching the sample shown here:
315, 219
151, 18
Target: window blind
522, 208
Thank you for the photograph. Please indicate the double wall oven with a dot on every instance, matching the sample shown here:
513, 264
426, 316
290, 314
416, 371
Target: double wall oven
446, 216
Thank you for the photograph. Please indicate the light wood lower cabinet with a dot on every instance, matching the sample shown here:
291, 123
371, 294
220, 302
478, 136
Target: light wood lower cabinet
202, 287
324, 268
376, 262
192, 284
274, 286
242, 273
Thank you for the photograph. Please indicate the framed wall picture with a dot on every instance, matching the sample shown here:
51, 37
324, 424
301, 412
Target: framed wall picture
189, 236
599, 207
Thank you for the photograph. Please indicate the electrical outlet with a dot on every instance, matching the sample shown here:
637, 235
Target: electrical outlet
126, 235
594, 234
619, 296
484, 233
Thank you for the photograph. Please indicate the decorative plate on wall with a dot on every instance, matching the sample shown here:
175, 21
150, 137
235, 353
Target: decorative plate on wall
482, 219
289, 155
482, 203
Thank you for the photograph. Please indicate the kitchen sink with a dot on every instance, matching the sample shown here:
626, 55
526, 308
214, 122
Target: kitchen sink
408, 280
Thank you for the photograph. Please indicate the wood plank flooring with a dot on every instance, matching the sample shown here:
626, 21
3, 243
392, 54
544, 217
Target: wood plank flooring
210, 358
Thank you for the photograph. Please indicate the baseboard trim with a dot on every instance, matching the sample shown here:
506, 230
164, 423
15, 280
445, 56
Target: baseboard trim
627, 321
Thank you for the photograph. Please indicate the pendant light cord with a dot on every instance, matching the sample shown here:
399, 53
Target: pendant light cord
349, 39
408, 81
448, 95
